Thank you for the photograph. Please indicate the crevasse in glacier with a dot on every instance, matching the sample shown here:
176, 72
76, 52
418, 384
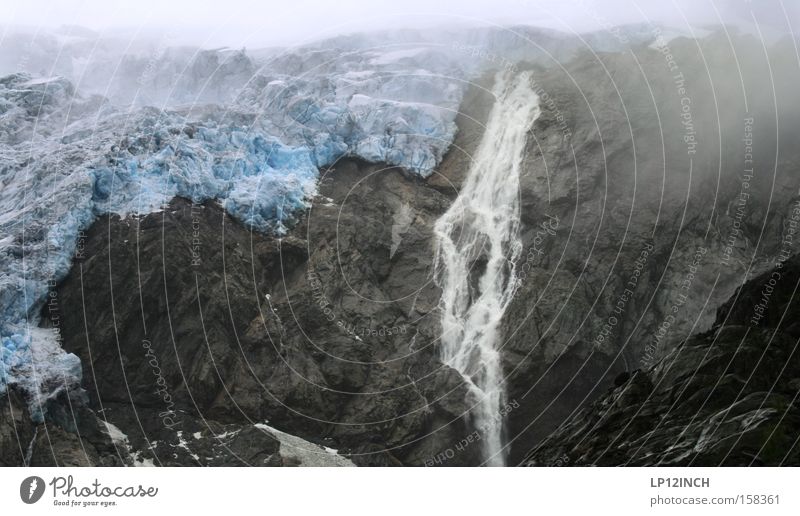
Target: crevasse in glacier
66, 158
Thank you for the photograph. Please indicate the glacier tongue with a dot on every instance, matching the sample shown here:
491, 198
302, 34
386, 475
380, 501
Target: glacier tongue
67, 159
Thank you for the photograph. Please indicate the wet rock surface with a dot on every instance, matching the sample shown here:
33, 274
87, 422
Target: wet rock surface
726, 397
16, 430
633, 235
187, 316
186, 322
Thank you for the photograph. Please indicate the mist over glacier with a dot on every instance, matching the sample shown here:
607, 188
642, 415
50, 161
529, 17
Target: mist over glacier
68, 158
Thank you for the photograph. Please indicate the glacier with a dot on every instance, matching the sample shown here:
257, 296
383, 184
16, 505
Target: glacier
67, 157
124, 129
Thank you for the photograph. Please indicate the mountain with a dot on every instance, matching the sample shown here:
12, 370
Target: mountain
724, 397
414, 248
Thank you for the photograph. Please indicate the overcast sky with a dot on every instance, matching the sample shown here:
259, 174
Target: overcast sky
288, 22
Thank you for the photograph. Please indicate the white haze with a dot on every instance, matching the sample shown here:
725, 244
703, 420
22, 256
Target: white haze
260, 23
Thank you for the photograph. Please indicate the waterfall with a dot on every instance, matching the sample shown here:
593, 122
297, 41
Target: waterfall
477, 247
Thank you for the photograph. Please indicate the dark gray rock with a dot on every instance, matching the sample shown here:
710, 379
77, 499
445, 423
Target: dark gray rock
726, 397
625, 180
16, 430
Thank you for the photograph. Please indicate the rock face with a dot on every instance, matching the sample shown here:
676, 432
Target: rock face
16, 431
73, 436
76, 435
652, 233
326, 333
194, 332
725, 397
260, 154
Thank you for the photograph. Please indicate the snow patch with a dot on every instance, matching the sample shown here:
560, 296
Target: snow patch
305, 452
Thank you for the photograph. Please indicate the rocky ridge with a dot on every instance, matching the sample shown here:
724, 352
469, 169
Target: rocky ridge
329, 333
725, 397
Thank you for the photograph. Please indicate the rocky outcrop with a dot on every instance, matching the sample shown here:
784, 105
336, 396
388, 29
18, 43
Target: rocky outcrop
16, 430
186, 321
72, 436
652, 235
726, 397
195, 332
326, 333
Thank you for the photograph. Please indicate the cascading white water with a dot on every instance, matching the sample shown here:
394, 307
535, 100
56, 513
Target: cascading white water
477, 249
29, 452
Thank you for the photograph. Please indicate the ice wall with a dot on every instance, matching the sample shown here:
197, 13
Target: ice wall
67, 159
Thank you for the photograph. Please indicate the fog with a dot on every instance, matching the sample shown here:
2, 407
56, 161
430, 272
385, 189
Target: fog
255, 23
